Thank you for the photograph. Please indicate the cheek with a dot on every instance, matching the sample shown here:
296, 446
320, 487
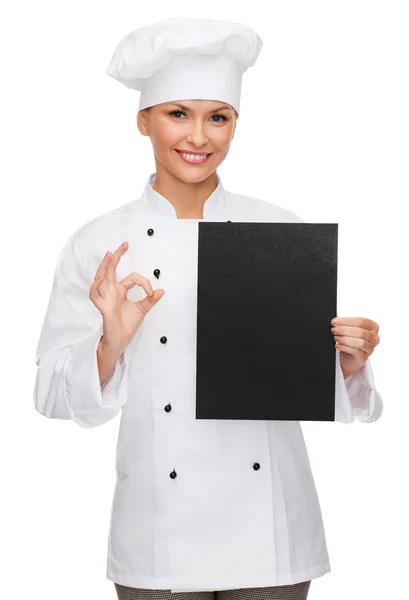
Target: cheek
222, 138
165, 138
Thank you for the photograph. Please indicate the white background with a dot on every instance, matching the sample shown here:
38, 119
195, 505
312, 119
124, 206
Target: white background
323, 131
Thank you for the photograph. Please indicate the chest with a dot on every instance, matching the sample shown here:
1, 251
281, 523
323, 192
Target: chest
166, 253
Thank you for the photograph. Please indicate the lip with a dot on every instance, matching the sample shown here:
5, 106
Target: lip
194, 162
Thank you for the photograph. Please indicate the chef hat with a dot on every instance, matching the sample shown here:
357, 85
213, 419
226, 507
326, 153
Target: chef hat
186, 58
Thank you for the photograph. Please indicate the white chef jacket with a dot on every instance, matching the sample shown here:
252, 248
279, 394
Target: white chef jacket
190, 511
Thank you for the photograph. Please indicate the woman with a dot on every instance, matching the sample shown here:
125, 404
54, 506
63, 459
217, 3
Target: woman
202, 508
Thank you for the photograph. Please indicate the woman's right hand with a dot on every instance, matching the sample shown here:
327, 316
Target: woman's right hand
121, 317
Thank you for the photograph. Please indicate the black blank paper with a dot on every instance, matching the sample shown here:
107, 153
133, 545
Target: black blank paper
267, 293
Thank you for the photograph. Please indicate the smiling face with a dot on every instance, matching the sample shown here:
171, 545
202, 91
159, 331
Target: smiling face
200, 127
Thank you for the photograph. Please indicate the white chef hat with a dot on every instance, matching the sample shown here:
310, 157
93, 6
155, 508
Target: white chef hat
186, 58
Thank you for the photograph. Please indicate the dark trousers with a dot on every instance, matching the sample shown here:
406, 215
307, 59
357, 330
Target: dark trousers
295, 591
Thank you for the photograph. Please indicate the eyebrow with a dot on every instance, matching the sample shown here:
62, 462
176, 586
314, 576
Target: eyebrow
187, 109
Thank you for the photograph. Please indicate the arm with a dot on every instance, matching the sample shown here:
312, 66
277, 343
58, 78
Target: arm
106, 363
356, 396
69, 356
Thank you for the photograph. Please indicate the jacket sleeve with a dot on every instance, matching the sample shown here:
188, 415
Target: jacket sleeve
67, 384
356, 397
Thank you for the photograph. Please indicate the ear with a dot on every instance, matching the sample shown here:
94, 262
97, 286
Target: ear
142, 122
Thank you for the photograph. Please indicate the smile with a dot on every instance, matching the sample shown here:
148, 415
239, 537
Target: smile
196, 159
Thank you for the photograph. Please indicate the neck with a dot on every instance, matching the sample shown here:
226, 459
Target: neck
187, 198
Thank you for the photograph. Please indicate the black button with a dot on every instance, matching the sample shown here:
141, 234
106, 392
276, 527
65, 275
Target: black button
150, 232
173, 475
163, 339
228, 221
168, 408
156, 273
256, 466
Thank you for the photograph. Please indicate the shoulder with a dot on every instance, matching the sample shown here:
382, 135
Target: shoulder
97, 235
255, 209
107, 227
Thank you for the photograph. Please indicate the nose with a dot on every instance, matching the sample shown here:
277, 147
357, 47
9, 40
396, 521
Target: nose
197, 135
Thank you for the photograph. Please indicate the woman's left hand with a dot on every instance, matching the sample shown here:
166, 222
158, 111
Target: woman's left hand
356, 338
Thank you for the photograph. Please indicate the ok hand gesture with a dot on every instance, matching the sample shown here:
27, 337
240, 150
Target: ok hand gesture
121, 317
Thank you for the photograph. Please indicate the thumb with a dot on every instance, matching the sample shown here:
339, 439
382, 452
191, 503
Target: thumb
147, 303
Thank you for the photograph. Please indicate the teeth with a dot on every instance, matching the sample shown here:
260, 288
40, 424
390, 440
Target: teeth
194, 156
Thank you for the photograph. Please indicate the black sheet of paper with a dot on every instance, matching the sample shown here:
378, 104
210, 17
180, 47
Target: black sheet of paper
267, 293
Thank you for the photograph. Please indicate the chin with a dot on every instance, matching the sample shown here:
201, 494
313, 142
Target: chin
192, 175
193, 178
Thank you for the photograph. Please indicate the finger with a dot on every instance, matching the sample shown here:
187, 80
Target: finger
111, 269
355, 322
358, 343
353, 351
101, 271
95, 288
103, 288
369, 336
135, 279
147, 303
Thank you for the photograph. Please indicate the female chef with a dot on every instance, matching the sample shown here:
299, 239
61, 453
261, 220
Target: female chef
207, 509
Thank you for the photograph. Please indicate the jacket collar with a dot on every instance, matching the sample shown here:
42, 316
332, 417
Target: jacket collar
213, 206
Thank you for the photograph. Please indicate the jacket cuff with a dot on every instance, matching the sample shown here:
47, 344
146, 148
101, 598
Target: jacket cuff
356, 396
88, 403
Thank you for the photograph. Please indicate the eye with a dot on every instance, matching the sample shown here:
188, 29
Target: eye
173, 113
223, 118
